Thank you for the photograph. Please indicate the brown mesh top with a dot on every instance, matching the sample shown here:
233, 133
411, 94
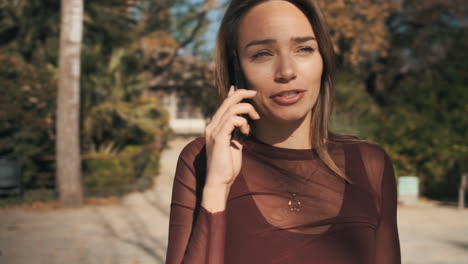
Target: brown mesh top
337, 222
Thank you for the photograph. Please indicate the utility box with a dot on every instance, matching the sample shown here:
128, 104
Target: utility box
10, 176
408, 189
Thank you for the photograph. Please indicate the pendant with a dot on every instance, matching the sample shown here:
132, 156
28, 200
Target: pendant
294, 204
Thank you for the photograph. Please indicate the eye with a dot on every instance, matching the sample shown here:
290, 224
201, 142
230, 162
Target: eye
260, 54
306, 49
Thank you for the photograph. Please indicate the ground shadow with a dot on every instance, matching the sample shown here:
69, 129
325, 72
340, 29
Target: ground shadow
156, 204
139, 237
450, 204
459, 244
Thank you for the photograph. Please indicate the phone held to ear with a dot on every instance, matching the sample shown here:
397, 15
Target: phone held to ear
238, 76
239, 83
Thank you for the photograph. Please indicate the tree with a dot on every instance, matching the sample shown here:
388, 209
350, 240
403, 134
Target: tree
68, 105
424, 126
358, 29
417, 94
170, 52
29, 48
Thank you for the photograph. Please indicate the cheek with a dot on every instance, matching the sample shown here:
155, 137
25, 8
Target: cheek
312, 70
258, 78
261, 81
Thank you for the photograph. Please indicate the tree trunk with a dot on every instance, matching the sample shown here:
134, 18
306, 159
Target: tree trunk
68, 173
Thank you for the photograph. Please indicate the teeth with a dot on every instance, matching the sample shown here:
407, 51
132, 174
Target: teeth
288, 94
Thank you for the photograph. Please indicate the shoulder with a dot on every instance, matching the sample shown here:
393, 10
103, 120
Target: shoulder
373, 156
371, 153
376, 162
193, 155
190, 169
193, 149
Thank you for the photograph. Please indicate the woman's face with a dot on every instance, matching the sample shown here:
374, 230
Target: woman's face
280, 59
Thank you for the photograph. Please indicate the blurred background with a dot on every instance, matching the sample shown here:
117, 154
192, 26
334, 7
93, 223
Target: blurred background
145, 88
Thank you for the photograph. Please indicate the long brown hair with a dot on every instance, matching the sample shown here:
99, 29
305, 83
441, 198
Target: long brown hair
226, 45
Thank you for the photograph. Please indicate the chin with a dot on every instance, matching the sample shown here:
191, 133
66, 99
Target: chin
290, 115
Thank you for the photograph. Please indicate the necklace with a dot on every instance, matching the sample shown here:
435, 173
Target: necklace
294, 203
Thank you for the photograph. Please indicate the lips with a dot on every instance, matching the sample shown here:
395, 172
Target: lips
288, 97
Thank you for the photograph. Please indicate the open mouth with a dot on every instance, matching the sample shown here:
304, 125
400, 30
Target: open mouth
288, 97
288, 94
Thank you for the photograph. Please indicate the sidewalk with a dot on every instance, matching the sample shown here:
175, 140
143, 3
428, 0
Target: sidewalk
433, 234
134, 230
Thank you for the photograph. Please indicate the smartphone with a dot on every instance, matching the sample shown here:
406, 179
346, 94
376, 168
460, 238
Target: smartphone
237, 74
238, 79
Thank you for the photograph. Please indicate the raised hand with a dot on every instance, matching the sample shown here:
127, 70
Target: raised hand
224, 152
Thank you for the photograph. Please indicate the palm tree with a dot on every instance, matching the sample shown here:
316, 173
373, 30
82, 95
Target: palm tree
68, 105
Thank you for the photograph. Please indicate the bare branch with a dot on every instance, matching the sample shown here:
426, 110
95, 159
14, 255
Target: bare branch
208, 6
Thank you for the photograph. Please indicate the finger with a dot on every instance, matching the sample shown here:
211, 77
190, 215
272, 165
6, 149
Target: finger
236, 143
237, 140
231, 90
240, 94
241, 109
234, 98
230, 124
227, 126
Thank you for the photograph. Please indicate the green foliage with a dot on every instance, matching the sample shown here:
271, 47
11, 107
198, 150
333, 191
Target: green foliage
29, 196
354, 108
113, 79
120, 77
413, 102
132, 169
126, 133
116, 125
27, 114
108, 23
104, 174
425, 127
30, 29
114, 116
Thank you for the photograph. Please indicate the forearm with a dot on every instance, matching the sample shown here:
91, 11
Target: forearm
215, 197
197, 231
207, 239
206, 244
195, 234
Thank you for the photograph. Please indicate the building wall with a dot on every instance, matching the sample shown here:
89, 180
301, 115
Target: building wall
185, 118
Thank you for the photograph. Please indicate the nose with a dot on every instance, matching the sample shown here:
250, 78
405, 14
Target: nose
285, 70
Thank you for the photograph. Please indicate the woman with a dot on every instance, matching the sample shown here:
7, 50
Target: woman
285, 190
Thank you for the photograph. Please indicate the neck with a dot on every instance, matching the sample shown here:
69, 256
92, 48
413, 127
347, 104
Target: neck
293, 135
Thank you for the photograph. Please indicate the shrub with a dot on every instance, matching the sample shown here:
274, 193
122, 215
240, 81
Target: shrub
115, 174
27, 115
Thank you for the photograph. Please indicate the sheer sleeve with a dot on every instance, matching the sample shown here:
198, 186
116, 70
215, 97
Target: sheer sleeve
379, 167
195, 235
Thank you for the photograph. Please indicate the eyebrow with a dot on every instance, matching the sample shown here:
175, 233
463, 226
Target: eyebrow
269, 41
